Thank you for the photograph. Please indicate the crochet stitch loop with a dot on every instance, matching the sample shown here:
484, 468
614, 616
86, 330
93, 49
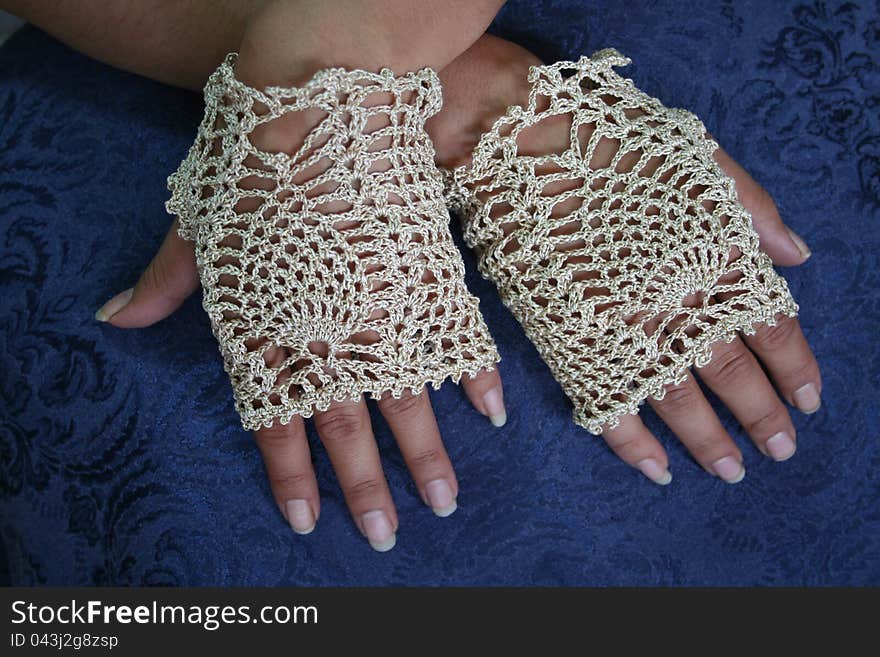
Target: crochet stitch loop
624, 270
328, 271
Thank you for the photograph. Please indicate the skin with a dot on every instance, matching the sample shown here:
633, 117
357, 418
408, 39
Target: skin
403, 35
492, 76
481, 75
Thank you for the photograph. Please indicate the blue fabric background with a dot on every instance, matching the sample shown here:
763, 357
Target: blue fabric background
122, 462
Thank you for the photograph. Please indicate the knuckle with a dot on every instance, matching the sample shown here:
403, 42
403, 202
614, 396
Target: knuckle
370, 487
483, 378
703, 443
773, 337
708, 448
340, 424
618, 440
626, 447
275, 436
767, 423
679, 397
156, 276
406, 405
288, 481
764, 203
731, 366
426, 457
804, 371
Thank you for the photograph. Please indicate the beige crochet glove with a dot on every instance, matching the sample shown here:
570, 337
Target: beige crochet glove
625, 255
328, 271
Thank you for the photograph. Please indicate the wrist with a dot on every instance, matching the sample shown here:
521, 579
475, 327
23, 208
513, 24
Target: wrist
287, 42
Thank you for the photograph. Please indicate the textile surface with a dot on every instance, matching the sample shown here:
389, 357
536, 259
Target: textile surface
618, 304
332, 272
122, 460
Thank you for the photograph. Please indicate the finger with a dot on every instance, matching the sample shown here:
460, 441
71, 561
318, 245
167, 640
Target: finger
688, 414
165, 284
736, 377
784, 351
412, 422
635, 444
285, 451
487, 395
783, 245
345, 430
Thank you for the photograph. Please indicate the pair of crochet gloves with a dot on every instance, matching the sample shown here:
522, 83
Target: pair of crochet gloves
329, 271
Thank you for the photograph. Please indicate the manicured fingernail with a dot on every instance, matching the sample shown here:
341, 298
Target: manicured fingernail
799, 243
494, 402
379, 532
780, 446
300, 516
113, 306
729, 469
654, 471
440, 497
806, 398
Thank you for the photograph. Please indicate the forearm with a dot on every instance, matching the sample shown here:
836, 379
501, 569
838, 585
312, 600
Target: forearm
181, 42
173, 41
288, 41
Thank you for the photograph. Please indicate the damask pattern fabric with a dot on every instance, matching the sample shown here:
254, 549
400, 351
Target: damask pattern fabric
121, 457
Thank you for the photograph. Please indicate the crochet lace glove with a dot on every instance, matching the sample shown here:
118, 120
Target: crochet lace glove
327, 271
624, 255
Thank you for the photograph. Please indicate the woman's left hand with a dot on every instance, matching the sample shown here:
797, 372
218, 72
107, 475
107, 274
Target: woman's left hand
479, 86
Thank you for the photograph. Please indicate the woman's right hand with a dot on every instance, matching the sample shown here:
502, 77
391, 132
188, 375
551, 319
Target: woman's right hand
344, 428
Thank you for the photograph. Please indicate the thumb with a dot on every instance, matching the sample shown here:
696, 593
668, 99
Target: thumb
778, 241
165, 284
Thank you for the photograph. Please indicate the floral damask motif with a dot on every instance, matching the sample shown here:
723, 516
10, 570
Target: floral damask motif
872, 35
811, 47
83, 517
29, 569
837, 115
761, 104
734, 20
819, 48
24, 252
23, 465
14, 397
869, 168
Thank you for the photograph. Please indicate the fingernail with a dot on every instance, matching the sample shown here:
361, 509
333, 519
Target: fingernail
494, 402
300, 516
780, 446
799, 243
729, 469
379, 532
113, 306
654, 471
806, 398
440, 497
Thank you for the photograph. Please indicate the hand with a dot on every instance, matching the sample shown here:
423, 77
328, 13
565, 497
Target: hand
344, 428
735, 374
479, 86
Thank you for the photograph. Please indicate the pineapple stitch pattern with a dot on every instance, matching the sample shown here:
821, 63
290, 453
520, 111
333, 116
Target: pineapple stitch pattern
625, 255
330, 271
